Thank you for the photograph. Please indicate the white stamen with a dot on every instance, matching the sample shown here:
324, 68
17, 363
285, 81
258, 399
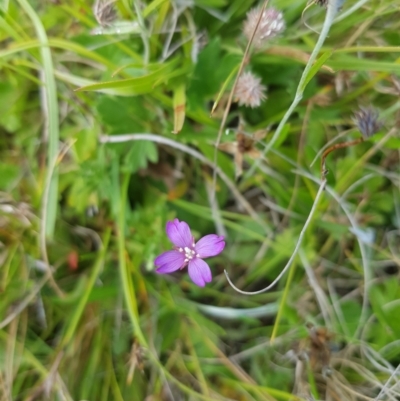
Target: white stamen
189, 253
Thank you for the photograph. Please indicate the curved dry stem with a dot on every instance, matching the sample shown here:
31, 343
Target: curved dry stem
332, 148
296, 249
339, 200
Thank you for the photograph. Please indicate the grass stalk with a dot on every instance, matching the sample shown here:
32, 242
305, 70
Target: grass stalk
126, 278
50, 108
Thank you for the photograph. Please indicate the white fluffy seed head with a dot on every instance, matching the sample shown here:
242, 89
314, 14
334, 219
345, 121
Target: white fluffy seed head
249, 91
271, 25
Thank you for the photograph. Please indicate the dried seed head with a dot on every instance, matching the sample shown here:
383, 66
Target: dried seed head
367, 122
249, 91
271, 24
104, 12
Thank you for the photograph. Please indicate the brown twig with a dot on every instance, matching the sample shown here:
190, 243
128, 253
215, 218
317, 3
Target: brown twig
342, 145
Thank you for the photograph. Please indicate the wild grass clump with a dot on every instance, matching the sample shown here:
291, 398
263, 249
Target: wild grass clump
139, 138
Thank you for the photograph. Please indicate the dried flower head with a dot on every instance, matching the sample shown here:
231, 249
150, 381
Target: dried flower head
271, 24
244, 145
322, 3
249, 91
188, 253
104, 12
367, 122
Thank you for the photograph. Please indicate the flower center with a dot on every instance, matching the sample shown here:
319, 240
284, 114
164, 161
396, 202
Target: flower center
189, 253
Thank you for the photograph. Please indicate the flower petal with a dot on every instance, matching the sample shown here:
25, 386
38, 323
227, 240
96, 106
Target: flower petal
199, 272
179, 233
210, 245
169, 262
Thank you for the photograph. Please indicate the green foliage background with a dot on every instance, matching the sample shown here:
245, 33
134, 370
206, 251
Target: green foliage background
83, 316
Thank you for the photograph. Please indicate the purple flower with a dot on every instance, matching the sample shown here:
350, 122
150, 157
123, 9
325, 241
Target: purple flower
367, 121
187, 252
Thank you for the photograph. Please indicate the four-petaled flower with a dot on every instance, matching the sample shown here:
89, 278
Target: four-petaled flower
187, 252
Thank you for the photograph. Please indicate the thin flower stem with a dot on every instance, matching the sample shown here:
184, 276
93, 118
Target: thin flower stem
230, 99
342, 145
296, 249
333, 8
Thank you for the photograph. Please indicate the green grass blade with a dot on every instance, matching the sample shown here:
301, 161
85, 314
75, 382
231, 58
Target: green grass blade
49, 212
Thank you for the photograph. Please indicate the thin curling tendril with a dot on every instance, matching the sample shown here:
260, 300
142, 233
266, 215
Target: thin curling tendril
296, 249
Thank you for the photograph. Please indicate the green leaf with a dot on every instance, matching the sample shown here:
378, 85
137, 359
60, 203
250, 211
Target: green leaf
123, 115
316, 67
140, 154
139, 85
360, 64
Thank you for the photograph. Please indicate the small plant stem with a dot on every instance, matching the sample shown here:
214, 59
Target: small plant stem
342, 145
